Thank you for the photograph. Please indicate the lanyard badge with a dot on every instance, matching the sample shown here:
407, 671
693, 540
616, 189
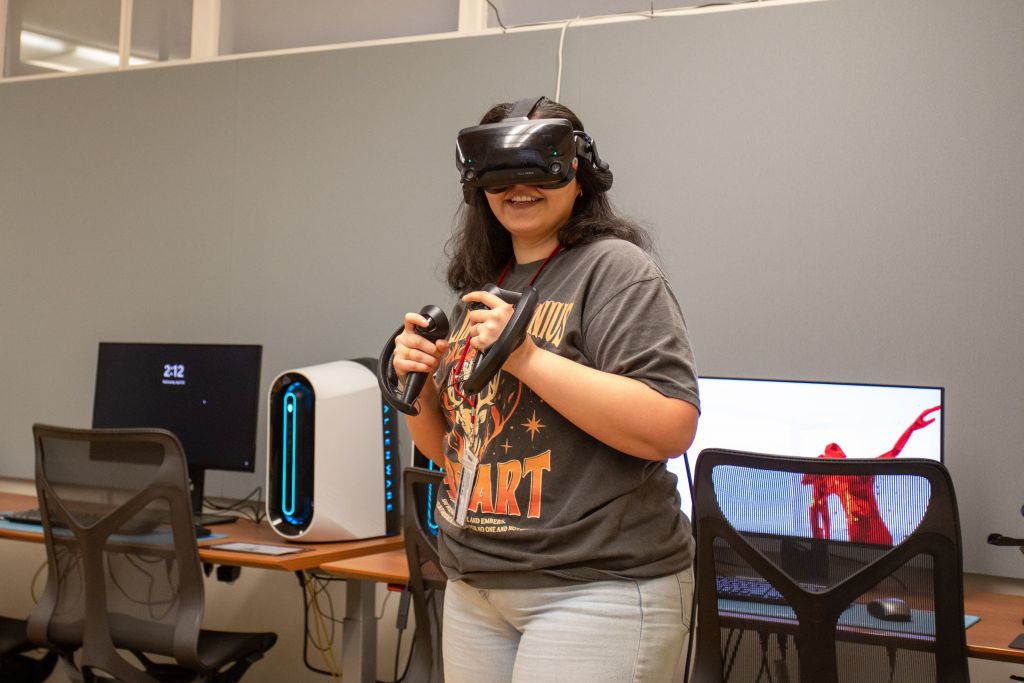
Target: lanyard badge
467, 459
466, 482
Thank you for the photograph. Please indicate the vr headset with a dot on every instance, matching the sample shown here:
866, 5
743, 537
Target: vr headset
520, 150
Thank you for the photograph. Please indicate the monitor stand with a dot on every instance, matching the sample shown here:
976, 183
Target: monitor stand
197, 478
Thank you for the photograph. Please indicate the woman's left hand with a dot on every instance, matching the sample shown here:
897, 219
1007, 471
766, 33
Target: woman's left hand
488, 314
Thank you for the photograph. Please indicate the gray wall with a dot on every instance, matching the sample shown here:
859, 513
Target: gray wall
834, 188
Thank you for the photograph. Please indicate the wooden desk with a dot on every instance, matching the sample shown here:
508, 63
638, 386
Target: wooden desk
1000, 623
359, 637
389, 566
313, 554
245, 531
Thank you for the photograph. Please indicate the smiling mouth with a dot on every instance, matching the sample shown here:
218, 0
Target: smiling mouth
522, 201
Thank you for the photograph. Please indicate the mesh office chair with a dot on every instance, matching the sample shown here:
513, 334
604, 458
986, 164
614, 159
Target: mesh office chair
792, 554
426, 578
15, 665
124, 569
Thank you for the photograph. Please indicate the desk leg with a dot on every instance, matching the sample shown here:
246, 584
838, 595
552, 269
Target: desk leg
359, 634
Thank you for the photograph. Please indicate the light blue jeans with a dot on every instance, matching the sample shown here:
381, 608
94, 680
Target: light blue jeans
614, 631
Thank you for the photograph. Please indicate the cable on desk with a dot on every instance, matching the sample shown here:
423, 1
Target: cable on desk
66, 561
35, 577
148, 601
322, 589
384, 605
246, 505
326, 650
322, 582
431, 603
310, 596
324, 630
401, 621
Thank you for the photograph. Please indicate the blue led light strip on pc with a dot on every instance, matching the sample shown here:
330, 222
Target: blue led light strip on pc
431, 524
388, 494
288, 456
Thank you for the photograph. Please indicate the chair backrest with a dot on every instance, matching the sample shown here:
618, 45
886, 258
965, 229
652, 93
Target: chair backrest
124, 568
851, 570
426, 578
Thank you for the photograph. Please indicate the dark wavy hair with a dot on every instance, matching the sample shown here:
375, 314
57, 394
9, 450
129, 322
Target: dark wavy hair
480, 246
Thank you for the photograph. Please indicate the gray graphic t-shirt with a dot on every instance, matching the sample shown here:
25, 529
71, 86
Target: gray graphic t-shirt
550, 503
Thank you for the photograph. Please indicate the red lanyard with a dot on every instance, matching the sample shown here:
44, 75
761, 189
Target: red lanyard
501, 278
508, 266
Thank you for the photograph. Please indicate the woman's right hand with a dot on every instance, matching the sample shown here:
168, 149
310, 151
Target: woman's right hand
414, 353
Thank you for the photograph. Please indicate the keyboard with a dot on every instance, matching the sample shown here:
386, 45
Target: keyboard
34, 516
30, 516
756, 589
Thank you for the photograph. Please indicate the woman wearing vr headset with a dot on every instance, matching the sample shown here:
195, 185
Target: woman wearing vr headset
567, 555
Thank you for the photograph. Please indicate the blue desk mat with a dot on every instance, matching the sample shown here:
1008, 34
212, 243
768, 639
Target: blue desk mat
155, 538
922, 622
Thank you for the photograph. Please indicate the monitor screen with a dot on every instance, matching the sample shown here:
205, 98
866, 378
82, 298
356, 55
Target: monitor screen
807, 418
206, 394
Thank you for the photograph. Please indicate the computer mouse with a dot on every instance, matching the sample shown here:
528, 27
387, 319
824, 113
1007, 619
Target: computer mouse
889, 609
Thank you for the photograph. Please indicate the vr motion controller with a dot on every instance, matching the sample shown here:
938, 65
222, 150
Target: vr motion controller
520, 150
405, 400
487, 363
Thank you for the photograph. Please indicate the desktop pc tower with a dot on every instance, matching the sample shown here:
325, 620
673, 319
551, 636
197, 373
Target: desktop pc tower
333, 454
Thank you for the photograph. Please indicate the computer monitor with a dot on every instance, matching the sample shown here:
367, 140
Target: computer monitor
806, 418
206, 394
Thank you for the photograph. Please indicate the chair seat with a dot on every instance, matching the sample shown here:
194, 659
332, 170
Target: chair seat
12, 636
217, 648
16, 662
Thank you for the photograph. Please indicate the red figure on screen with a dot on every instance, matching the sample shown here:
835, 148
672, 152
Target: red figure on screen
856, 494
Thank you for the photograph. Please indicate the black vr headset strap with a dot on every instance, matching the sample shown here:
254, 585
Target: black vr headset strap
524, 107
586, 148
